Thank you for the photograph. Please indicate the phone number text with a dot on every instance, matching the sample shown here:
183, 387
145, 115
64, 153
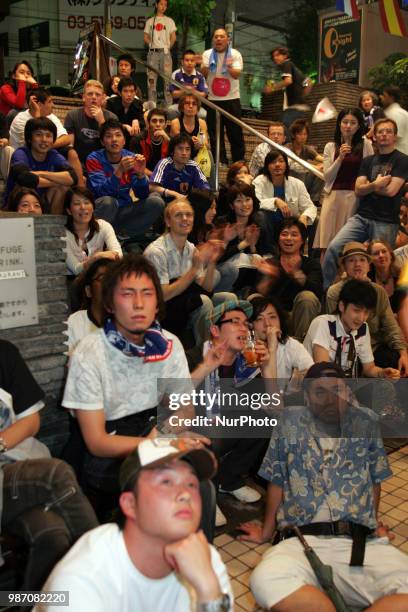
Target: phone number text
118, 22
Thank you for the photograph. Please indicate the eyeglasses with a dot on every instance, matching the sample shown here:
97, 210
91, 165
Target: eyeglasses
236, 322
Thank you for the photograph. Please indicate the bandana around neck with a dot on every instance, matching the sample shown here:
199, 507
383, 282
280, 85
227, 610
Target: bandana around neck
156, 346
214, 60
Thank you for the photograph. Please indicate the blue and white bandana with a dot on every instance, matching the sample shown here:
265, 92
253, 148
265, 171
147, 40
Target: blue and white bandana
156, 346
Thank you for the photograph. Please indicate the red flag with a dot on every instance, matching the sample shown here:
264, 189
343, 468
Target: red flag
391, 18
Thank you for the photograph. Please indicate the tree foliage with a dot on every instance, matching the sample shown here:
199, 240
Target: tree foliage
191, 15
302, 36
392, 71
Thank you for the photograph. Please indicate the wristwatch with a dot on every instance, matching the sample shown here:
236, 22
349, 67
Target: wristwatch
222, 604
3, 446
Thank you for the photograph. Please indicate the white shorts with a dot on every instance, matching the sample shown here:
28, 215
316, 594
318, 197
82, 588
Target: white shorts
284, 569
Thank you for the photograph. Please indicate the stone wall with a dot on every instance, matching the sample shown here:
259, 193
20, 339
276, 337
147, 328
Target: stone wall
42, 345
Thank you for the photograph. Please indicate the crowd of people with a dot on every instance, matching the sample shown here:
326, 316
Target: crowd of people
169, 283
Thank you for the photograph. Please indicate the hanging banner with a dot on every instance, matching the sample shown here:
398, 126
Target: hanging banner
128, 20
339, 59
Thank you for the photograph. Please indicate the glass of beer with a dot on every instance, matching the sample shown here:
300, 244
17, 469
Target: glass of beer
249, 353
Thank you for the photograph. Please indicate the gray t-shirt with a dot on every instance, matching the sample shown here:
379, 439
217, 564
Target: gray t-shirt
85, 130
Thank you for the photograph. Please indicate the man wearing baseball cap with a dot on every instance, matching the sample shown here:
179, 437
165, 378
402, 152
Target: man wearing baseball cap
219, 358
387, 341
155, 558
327, 482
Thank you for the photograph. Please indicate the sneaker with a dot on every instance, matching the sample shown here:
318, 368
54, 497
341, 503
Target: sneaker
245, 494
220, 518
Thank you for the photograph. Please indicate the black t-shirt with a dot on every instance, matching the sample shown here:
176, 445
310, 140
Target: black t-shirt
295, 91
4, 133
286, 288
17, 380
135, 111
85, 130
375, 206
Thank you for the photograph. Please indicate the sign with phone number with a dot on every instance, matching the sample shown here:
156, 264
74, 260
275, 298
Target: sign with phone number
132, 22
128, 17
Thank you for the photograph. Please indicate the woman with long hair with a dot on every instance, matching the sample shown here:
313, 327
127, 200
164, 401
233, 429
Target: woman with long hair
189, 123
205, 210
342, 159
238, 172
91, 315
240, 234
280, 196
26, 201
271, 324
13, 93
299, 134
86, 236
111, 86
384, 269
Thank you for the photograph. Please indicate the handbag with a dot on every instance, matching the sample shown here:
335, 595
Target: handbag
204, 161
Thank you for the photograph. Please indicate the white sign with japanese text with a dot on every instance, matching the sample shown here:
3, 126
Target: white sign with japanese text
18, 277
128, 20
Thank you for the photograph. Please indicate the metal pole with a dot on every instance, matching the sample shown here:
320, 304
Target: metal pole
98, 58
223, 112
217, 149
107, 19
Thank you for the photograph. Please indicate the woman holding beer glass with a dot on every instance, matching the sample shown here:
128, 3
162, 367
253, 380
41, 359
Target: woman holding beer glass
288, 357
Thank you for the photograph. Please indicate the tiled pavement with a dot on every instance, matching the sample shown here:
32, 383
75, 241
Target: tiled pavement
241, 557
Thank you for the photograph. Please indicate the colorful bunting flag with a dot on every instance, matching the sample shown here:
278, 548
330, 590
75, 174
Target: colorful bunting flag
349, 7
391, 18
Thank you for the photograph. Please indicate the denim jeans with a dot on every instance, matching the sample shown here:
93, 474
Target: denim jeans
43, 504
135, 219
161, 61
357, 229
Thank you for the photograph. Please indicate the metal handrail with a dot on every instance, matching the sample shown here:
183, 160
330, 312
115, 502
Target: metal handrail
219, 111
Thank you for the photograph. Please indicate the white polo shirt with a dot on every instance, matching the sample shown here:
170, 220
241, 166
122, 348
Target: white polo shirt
328, 332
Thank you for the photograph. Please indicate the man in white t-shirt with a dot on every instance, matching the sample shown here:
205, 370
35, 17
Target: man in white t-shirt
119, 374
40, 104
390, 98
160, 36
157, 559
222, 66
344, 338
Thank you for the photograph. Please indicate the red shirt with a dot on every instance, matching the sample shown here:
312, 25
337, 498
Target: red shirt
10, 100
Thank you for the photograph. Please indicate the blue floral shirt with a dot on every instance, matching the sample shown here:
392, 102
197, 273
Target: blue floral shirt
295, 462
